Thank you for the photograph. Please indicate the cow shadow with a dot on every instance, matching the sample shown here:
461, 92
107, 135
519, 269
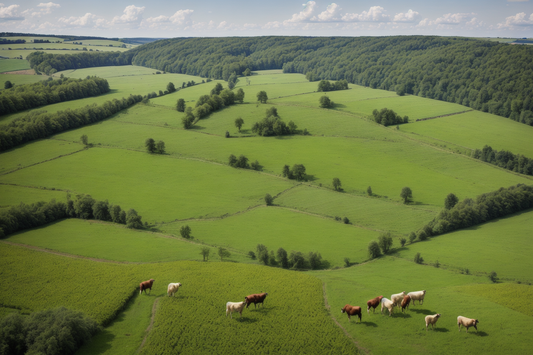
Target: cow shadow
369, 324
441, 330
480, 334
246, 320
427, 312
263, 310
401, 315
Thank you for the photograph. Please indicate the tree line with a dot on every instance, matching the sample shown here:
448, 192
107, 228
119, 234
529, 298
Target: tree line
40, 124
11, 41
47, 92
26, 216
505, 159
49, 64
325, 85
294, 260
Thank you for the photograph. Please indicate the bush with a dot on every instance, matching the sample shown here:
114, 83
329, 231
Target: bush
418, 259
373, 249
412, 237
385, 243
347, 262
251, 254
402, 241
185, 232
269, 199
345, 220
493, 276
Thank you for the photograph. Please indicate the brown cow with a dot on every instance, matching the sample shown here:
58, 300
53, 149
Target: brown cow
374, 302
146, 285
405, 302
255, 299
352, 311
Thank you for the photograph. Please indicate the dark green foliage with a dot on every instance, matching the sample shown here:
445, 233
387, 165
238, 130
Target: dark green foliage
101, 211
297, 260
385, 242
373, 249
8, 85
286, 172
422, 235
262, 97
347, 262
49, 92
450, 201
325, 85
251, 254
241, 162
239, 96
255, 165
227, 135
83, 206
325, 102
412, 237
205, 251
269, 200
232, 160
403, 241
50, 332
337, 184
272, 259
188, 120
406, 194
369, 191
84, 139
232, 81
262, 254
504, 159
180, 105
315, 260
388, 117
40, 124
238, 123
150, 145
283, 258
493, 276
223, 253
117, 215
160, 147
298, 172
217, 89
185, 232
345, 220
418, 259
437, 264
133, 220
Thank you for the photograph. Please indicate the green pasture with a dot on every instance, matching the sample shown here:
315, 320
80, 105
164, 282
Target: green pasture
19, 79
501, 329
7, 65
475, 129
112, 241
158, 187
277, 227
30, 39
96, 42
374, 213
502, 245
11, 195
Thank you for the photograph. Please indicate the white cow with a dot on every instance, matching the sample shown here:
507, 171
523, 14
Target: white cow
466, 322
417, 296
432, 320
173, 288
397, 298
234, 307
386, 303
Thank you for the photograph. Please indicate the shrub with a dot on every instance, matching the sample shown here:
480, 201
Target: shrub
418, 259
373, 249
269, 199
412, 237
385, 243
185, 232
493, 276
347, 262
402, 241
345, 220
251, 254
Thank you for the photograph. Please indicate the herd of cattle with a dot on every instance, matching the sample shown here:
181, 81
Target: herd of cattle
400, 300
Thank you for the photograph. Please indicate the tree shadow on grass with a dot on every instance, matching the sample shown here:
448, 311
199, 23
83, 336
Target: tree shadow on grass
427, 312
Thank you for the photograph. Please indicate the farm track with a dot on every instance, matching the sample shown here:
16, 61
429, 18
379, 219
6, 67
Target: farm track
147, 331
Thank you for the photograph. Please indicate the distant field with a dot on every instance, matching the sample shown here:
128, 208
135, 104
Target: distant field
14, 195
502, 245
12, 65
501, 330
491, 130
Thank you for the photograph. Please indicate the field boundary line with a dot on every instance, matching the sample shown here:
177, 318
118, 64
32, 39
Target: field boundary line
147, 331
446, 115
326, 304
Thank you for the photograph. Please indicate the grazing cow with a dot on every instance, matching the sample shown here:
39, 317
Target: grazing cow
432, 320
255, 299
417, 296
352, 311
173, 288
466, 322
386, 303
234, 307
405, 302
373, 303
146, 285
397, 298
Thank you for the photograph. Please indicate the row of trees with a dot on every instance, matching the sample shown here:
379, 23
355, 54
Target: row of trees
388, 117
505, 159
294, 260
242, 162
154, 147
40, 124
273, 125
47, 92
49, 64
326, 85
25, 216
297, 172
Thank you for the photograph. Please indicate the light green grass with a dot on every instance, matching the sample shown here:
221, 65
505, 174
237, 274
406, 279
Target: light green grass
476, 129
114, 242
14, 195
30, 39
277, 228
502, 245
12, 65
501, 330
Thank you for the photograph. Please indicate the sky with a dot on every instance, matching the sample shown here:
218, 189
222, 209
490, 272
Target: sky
216, 18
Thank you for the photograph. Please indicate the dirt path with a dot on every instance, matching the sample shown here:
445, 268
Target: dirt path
154, 308
364, 350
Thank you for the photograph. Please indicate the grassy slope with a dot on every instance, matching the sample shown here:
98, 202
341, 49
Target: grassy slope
501, 330
13, 64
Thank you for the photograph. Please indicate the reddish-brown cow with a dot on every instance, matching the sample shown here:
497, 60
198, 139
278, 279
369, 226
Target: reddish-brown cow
374, 302
146, 285
405, 302
352, 311
255, 299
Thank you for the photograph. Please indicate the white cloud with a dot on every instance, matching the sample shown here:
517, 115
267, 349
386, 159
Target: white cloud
374, 14
132, 16
182, 17
87, 21
47, 8
329, 15
305, 15
10, 13
409, 16
454, 19
519, 19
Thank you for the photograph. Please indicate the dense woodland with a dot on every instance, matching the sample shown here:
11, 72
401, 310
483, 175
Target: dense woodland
505, 159
48, 64
47, 92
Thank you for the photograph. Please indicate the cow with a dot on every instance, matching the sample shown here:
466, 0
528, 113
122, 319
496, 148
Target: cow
234, 307
173, 288
386, 303
417, 296
466, 322
255, 299
352, 311
405, 302
146, 285
373, 303
432, 320
397, 298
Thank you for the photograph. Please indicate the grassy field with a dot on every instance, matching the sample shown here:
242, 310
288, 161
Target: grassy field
13, 64
501, 329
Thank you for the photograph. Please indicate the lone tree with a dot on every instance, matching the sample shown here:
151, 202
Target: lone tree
325, 102
268, 200
8, 85
239, 96
450, 201
493, 276
385, 243
373, 250
238, 123
262, 97
223, 253
160, 147
171, 88
150, 145
205, 252
185, 232
84, 139
298, 171
369, 191
418, 259
406, 195
336, 184
180, 105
